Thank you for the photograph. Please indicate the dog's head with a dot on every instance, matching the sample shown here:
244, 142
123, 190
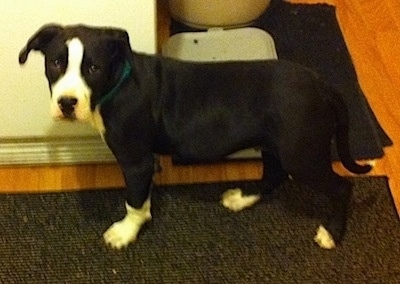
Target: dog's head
83, 64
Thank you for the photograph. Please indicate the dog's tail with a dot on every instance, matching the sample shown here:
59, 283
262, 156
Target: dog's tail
342, 135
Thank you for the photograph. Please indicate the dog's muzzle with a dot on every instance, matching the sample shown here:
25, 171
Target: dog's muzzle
67, 106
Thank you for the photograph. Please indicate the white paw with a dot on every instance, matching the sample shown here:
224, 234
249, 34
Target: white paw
324, 239
121, 233
234, 200
124, 232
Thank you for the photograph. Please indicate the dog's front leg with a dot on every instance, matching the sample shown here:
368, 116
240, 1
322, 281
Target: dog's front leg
138, 180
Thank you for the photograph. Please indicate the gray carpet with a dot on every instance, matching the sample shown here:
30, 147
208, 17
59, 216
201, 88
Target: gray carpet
56, 238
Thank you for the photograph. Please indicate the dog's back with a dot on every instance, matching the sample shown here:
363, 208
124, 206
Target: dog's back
210, 110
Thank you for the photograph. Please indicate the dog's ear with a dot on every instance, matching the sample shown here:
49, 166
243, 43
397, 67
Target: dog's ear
118, 43
117, 34
39, 40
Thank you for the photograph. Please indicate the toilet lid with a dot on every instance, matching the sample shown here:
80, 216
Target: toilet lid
221, 45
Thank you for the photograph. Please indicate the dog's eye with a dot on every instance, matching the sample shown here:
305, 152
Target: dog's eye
93, 69
57, 63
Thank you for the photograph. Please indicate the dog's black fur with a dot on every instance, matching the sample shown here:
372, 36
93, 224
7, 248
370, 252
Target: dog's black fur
205, 111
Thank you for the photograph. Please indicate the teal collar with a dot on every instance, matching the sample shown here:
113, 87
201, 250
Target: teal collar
126, 72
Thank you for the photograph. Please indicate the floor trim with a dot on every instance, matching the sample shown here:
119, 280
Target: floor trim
65, 151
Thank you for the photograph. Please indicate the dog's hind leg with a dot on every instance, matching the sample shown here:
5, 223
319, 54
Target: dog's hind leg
332, 229
318, 174
236, 199
273, 175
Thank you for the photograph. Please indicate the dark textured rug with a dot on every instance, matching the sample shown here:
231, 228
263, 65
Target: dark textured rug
310, 35
56, 238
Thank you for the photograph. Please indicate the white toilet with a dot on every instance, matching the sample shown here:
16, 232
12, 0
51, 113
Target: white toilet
217, 13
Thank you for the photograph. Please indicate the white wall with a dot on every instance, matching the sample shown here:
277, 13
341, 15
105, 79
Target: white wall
24, 94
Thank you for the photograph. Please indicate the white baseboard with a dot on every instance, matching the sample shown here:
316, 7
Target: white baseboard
68, 151
63, 151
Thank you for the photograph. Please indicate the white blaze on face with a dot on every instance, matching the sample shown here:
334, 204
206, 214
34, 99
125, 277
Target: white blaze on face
72, 84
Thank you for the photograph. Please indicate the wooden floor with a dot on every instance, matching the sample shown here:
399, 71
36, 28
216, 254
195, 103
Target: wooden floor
61, 178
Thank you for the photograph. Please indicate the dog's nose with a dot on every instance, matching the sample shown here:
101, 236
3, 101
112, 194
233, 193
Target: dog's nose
67, 106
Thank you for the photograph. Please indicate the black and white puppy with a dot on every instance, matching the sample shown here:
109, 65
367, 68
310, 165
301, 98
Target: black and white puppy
144, 105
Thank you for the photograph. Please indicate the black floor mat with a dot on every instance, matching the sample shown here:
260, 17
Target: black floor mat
310, 35
57, 238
